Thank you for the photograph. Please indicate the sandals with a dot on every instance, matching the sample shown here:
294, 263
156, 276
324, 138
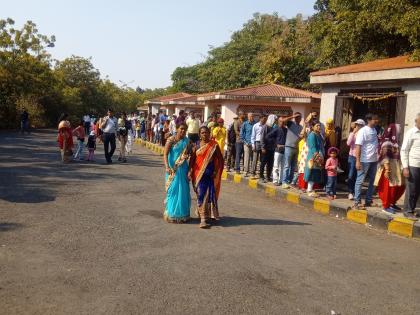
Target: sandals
204, 225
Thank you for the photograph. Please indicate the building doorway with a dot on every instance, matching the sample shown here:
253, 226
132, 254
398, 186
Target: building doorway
389, 105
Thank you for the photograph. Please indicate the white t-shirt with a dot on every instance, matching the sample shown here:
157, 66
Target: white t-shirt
367, 138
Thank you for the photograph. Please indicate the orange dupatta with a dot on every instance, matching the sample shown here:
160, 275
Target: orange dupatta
203, 156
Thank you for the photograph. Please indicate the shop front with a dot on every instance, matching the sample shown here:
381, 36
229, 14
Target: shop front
389, 88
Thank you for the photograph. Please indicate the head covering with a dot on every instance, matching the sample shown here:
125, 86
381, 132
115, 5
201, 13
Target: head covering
332, 149
220, 121
386, 151
330, 136
271, 120
64, 124
360, 122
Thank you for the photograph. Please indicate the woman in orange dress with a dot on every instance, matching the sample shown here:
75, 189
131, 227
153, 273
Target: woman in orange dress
206, 167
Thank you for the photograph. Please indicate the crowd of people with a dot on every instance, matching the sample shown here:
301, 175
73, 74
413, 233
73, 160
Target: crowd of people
305, 154
287, 151
106, 130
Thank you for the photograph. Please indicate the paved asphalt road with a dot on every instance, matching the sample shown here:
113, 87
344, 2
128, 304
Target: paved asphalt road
90, 239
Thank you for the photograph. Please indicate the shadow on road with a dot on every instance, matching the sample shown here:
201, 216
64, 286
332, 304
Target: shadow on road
237, 221
31, 170
7, 226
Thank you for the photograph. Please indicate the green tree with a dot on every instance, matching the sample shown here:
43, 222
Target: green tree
351, 31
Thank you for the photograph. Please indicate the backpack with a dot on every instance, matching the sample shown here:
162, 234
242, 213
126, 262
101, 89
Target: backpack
231, 134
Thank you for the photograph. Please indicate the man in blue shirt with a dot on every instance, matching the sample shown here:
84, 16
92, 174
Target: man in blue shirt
245, 136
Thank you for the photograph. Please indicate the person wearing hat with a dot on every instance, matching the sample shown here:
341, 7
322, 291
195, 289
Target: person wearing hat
219, 134
351, 142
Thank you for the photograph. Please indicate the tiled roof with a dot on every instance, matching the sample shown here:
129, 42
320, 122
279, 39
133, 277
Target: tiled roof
271, 90
192, 98
169, 97
400, 62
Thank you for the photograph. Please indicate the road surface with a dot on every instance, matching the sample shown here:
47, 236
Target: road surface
90, 239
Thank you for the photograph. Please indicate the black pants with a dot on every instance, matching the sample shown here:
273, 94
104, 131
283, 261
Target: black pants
412, 192
231, 155
267, 161
109, 138
87, 128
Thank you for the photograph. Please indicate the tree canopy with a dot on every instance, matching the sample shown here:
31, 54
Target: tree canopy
267, 49
272, 49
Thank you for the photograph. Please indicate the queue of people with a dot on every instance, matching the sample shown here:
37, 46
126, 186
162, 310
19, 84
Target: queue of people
286, 151
290, 152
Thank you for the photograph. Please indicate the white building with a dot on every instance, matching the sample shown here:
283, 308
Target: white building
387, 87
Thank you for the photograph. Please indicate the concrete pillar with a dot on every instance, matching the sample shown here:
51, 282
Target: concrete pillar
328, 96
155, 109
208, 109
229, 112
412, 108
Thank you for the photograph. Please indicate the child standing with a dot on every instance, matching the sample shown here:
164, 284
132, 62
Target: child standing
91, 145
79, 132
331, 166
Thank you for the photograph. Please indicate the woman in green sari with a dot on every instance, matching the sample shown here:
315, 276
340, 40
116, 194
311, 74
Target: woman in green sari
178, 198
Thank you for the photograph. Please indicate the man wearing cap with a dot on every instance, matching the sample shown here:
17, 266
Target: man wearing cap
410, 158
366, 152
351, 142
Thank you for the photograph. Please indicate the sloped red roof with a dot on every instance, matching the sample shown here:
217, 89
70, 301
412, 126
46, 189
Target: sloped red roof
401, 62
191, 98
270, 90
170, 97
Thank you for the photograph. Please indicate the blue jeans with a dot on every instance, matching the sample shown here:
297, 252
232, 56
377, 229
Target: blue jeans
239, 151
331, 187
79, 152
369, 169
290, 161
351, 178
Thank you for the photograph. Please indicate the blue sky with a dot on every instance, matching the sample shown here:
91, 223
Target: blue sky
142, 41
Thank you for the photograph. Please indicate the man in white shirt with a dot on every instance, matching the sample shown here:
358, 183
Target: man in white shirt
109, 128
256, 142
193, 124
366, 160
410, 158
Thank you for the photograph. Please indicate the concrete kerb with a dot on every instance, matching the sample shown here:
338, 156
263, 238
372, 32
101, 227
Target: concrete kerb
370, 218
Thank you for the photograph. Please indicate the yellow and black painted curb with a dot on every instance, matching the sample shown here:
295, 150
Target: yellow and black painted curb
156, 148
397, 225
378, 220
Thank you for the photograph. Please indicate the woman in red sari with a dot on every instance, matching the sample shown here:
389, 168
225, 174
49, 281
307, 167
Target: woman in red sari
388, 177
206, 167
65, 138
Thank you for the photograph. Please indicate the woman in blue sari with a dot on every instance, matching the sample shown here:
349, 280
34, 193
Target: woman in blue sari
315, 161
178, 199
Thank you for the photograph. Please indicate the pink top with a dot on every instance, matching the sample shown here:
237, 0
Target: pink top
331, 166
351, 142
